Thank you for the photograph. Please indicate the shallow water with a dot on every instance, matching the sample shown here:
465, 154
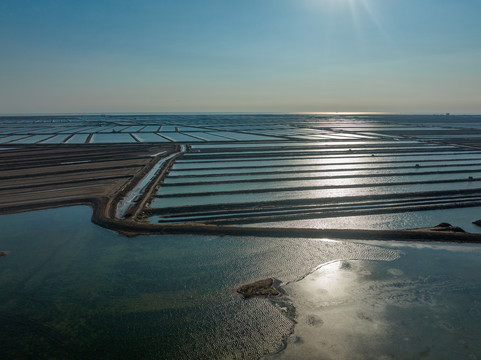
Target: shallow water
345, 172
298, 144
78, 139
424, 305
11, 138
329, 159
317, 167
462, 217
149, 137
57, 139
31, 139
208, 136
111, 138
175, 136
293, 183
75, 290
276, 151
308, 194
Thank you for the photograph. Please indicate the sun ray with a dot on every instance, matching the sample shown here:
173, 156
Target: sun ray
368, 6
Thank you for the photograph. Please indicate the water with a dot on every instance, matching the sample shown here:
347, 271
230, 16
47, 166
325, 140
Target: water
72, 290
31, 139
331, 159
57, 139
149, 137
313, 167
242, 136
294, 183
78, 139
309, 194
205, 157
175, 136
112, 138
296, 144
297, 174
208, 136
140, 188
424, 305
11, 138
462, 217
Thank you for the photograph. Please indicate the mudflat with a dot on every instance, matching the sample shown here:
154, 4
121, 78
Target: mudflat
44, 176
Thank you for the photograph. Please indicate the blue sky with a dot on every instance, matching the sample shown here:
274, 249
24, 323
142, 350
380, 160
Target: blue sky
410, 56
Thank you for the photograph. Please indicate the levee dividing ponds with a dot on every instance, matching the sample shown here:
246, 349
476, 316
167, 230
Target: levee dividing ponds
251, 184
250, 169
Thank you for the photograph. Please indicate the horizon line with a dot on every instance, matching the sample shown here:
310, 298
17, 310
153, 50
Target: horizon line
327, 113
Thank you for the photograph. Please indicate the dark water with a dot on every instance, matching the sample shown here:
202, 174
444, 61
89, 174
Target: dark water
70, 289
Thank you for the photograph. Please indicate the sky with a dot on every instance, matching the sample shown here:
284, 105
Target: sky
110, 56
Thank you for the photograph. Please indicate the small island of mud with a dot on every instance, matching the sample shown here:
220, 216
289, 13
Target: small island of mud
3, 253
477, 222
444, 227
266, 287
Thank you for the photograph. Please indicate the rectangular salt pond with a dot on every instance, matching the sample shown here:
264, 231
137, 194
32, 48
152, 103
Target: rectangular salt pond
108, 129
178, 137
296, 174
393, 128
11, 138
31, 139
189, 128
399, 207
149, 137
325, 160
447, 136
307, 194
375, 181
462, 217
151, 128
208, 136
112, 138
78, 139
282, 152
316, 137
57, 139
313, 167
242, 136
70, 130
301, 144
47, 130
131, 129
168, 128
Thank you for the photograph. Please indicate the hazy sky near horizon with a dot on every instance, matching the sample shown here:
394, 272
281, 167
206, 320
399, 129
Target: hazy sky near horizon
403, 56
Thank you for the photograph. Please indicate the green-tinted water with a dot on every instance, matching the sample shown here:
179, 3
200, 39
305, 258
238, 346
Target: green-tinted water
70, 289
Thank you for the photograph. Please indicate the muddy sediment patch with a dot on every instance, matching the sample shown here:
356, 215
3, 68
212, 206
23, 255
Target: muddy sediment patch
45, 176
266, 287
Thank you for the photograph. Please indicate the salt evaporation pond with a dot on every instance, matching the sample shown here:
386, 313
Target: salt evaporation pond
309, 174
176, 200
462, 217
312, 167
72, 290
